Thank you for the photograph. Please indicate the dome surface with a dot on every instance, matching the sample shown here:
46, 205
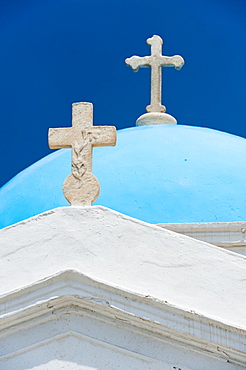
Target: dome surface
158, 174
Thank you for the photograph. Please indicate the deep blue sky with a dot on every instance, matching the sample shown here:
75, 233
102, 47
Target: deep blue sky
56, 52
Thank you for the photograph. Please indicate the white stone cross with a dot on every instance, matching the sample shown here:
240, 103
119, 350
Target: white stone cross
81, 187
156, 61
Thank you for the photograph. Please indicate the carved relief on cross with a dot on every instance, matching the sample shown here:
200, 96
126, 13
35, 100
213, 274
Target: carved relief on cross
81, 187
156, 61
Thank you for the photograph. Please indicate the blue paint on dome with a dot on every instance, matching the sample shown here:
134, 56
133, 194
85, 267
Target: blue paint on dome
158, 174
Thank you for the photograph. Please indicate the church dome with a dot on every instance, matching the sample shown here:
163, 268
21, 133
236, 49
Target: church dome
155, 173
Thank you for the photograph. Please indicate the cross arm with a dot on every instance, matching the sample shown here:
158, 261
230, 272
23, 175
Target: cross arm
60, 137
136, 62
175, 61
103, 136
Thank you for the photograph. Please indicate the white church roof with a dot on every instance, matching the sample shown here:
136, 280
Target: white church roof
129, 254
74, 261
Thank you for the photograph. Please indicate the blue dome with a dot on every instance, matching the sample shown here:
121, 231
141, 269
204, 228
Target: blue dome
158, 174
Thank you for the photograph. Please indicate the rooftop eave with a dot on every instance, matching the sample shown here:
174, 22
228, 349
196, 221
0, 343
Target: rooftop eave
229, 235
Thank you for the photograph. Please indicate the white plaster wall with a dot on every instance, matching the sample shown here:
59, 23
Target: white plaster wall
128, 254
83, 340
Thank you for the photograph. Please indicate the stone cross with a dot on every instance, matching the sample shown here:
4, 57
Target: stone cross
156, 61
81, 187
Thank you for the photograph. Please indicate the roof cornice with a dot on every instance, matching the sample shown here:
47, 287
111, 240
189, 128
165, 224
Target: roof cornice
74, 293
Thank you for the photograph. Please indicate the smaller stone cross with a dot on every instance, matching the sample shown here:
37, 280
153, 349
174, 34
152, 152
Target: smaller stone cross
156, 61
81, 187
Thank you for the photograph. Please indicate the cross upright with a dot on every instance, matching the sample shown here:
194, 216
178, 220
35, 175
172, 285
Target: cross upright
156, 61
81, 187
